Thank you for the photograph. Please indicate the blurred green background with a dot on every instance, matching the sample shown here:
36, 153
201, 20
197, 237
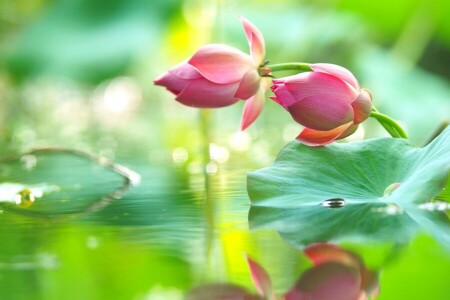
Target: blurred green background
79, 74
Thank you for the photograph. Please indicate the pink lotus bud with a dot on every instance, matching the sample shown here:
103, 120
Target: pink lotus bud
219, 75
327, 101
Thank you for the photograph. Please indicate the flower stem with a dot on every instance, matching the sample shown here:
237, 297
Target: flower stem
391, 126
297, 66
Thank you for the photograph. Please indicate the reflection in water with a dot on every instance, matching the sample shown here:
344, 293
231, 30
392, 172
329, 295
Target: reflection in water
389, 209
40, 261
335, 274
24, 195
435, 206
28, 161
221, 291
24, 198
41, 174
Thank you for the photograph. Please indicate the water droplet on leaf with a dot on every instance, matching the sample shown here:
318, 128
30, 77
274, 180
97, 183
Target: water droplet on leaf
334, 203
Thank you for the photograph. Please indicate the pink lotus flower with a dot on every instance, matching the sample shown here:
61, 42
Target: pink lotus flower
327, 101
219, 75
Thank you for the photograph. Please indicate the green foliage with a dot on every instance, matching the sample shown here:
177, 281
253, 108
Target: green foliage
87, 40
404, 93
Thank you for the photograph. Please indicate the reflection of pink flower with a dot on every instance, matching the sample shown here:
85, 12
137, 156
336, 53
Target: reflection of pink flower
337, 274
220, 291
327, 101
219, 75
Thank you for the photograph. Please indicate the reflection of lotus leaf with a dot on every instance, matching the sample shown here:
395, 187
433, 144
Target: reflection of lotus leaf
9, 191
289, 195
61, 182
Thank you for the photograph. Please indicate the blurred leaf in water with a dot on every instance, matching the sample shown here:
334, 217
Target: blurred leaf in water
374, 190
87, 40
24, 195
163, 197
167, 209
57, 182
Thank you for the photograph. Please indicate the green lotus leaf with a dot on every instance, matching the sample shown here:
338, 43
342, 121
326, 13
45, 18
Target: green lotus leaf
374, 190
